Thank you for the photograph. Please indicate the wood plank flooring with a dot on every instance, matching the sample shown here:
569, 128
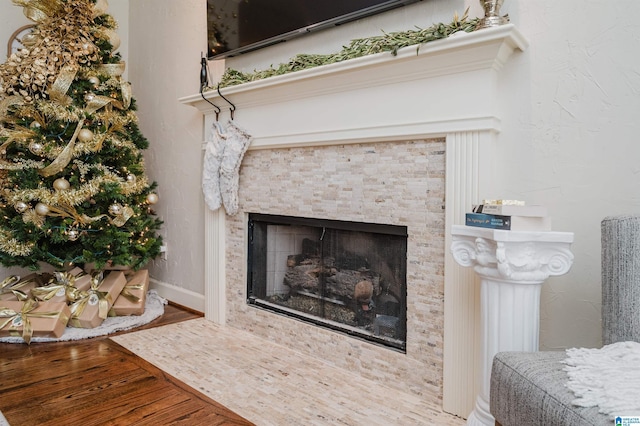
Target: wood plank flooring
98, 382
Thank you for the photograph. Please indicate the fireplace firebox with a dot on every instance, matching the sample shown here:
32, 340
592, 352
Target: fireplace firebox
346, 276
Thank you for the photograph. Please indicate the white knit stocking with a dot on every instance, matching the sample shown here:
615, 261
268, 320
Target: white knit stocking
237, 143
214, 151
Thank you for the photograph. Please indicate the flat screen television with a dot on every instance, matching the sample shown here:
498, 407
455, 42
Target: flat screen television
240, 26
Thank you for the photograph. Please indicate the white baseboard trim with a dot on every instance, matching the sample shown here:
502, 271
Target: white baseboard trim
181, 296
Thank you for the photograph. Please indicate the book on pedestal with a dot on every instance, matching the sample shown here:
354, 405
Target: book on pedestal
511, 223
511, 210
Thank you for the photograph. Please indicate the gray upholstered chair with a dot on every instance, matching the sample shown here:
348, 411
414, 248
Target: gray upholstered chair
529, 388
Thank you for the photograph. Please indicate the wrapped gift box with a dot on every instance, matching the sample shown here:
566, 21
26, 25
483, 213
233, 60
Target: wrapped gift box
132, 298
47, 319
16, 289
63, 286
93, 306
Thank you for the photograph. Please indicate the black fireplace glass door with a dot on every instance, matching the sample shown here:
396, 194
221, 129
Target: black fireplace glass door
347, 276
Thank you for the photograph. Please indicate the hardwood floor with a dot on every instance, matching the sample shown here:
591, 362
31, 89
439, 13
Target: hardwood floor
98, 382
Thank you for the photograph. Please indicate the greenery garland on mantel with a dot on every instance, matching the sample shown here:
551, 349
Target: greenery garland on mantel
387, 42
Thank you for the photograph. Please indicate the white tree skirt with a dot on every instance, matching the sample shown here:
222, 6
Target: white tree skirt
154, 307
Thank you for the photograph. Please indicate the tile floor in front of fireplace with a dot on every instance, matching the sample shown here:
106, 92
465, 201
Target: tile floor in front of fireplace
270, 384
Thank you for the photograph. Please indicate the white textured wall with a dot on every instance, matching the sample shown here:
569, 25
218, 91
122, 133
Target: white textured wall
568, 131
11, 18
569, 140
167, 37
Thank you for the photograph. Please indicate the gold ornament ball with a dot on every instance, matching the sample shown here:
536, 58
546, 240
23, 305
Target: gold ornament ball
42, 209
61, 184
95, 81
85, 135
131, 178
36, 148
34, 125
21, 206
115, 209
152, 198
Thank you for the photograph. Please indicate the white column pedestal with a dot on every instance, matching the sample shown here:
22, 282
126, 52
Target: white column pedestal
512, 266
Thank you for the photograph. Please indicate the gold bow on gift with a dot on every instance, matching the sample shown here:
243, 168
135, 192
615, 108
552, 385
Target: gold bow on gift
12, 284
64, 283
92, 297
23, 319
126, 293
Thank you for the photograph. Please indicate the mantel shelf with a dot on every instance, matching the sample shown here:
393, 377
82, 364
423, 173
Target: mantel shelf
379, 96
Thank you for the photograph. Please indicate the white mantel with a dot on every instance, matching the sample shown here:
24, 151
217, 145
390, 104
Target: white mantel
445, 88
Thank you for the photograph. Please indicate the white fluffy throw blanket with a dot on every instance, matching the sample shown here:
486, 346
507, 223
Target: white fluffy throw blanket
608, 378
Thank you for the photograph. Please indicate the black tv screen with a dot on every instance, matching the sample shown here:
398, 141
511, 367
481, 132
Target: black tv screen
240, 26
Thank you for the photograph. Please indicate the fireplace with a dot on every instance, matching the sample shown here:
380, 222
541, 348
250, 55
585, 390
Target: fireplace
346, 276
419, 166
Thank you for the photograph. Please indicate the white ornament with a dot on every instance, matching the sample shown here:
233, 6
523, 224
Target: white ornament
95, 81
61, 184
21, 206
152, 198
115, 209
36, 148
85, 135
131, 178
89, 97
73, 234
42, 209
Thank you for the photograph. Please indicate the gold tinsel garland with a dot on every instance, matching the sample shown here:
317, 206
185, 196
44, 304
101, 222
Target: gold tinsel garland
10, 245
74, 197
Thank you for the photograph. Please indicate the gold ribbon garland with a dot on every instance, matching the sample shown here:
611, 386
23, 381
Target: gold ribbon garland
39, 10
23, 318
100, 8
60, 87
122, 218
65, 156
58, 93
113, 70
70, 212
7, 103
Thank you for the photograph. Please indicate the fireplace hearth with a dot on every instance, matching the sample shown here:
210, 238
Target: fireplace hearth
346, 276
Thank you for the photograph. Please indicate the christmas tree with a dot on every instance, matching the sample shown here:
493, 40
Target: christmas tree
73, 188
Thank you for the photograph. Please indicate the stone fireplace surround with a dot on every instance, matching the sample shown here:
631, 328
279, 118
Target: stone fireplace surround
382, 139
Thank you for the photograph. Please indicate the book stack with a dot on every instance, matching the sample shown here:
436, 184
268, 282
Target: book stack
509, 215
